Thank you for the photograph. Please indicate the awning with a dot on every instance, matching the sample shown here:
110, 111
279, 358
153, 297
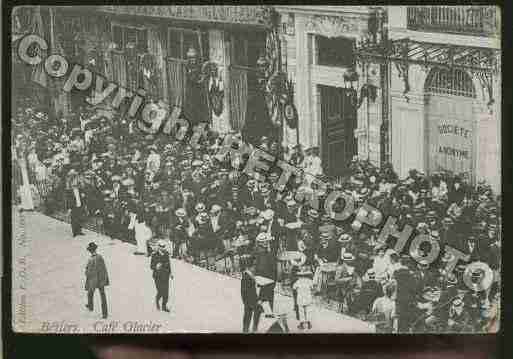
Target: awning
480, 62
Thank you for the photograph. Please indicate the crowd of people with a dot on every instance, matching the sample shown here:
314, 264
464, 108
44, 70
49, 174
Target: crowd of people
143, 187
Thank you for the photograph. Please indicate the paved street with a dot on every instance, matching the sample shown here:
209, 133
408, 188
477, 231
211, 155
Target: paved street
201, 300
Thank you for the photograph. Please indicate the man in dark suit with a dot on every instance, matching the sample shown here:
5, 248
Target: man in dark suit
76, 200
96, 278
248, 292
161, 266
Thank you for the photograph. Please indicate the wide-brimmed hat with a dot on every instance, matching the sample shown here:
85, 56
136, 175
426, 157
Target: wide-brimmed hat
91, 246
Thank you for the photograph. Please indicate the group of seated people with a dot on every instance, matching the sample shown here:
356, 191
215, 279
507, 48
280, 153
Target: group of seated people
210, 213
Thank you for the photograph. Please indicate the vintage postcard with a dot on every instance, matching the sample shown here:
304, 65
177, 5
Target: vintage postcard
256, 169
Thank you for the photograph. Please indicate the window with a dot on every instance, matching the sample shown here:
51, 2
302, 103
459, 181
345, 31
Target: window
125, 37
338, 51
450, 82
246, 48
181, 40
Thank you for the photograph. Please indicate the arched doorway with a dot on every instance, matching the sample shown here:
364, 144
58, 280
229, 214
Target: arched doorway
450, 124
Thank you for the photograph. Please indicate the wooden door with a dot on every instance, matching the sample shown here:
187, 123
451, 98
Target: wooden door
338, 116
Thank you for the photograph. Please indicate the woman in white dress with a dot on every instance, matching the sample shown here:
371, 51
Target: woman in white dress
142, 235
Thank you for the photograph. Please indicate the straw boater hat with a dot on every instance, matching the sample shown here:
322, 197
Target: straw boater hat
200, 207
344, 238
263, 237
347, 257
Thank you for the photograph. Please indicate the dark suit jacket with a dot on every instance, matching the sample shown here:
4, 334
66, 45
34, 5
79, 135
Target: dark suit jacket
248, 290
165, 270
96, 273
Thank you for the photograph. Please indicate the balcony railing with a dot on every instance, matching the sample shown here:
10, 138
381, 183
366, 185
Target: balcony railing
468, 20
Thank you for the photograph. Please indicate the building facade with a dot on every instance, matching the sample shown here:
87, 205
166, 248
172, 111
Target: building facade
150, 47
417, 87
450, 118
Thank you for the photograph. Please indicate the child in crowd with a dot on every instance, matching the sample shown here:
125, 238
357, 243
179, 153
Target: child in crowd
304, 287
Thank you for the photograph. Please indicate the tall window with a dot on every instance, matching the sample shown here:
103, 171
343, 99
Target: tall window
125, 37
337, 51
246, 48
130, 43
181, 40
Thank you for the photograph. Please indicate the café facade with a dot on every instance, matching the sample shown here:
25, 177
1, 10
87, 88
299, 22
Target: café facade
150, 47
417, 87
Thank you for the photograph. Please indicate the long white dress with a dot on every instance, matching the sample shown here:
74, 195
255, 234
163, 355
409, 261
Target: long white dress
25, 191
142, 236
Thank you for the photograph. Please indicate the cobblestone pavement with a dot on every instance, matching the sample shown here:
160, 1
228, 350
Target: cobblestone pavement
201, 300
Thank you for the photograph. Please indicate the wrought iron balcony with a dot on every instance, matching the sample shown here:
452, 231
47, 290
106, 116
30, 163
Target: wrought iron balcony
466, 20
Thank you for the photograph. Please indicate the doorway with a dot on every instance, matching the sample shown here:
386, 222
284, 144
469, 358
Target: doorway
338, 122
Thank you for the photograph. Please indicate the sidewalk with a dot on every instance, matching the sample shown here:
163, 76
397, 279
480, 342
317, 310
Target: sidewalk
201, 300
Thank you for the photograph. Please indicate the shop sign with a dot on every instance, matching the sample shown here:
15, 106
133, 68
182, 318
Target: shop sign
453, 151
249, 15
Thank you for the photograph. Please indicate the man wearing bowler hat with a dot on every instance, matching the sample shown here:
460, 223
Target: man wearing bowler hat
96, 278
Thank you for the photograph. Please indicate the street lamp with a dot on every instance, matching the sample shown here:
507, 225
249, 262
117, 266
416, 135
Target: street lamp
351, 77
351, 81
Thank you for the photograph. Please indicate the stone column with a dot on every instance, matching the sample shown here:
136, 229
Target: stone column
303, 84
